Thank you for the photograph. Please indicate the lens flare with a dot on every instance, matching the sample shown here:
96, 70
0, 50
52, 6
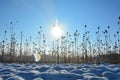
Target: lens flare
36, 57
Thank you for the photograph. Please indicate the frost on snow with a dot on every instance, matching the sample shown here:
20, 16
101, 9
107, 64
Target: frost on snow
59, 72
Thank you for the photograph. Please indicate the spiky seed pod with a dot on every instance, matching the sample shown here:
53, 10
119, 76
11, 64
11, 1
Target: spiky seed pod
96, 32
62, 37
106, 31
67, 33
87, 39
11, 23
30, 38
72, 42
40, 27
98, 27
3, 41
117, 32
5, 31
119, 17
114, 35
76, 31
108, 27
118, 23
74, 34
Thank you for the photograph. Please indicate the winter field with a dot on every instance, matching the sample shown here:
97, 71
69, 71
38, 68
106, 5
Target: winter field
59, 71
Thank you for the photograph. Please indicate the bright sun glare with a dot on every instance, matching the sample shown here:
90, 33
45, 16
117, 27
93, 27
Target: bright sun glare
56, 30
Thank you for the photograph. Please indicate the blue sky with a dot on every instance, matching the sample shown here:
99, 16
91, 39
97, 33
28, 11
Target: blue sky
29, 15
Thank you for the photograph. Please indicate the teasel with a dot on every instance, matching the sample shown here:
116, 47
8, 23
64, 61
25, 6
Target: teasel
21, 43
118, 41
40, 32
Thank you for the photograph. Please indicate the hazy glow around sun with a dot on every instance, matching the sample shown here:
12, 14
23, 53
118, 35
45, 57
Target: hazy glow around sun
57, 30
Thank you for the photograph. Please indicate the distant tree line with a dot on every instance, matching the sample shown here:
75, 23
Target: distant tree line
66, 49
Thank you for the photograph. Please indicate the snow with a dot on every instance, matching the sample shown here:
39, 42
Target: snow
59, 71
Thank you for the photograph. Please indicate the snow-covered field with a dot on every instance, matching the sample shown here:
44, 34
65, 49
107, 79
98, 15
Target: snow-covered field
59, 72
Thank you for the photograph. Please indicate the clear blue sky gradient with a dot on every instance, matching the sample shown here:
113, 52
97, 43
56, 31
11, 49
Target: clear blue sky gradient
28, 15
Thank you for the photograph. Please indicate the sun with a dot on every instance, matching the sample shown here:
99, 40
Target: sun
57, 30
